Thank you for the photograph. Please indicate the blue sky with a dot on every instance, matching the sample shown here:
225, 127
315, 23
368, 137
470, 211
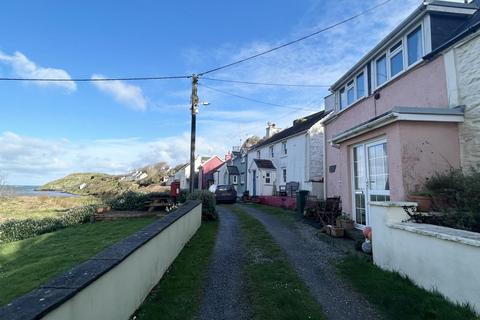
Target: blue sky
51, 129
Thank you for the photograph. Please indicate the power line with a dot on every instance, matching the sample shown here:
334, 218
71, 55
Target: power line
268, 84
251, 99
296, 40
94, 79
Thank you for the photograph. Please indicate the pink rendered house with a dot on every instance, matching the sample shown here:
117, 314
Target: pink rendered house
207, 169
391, 125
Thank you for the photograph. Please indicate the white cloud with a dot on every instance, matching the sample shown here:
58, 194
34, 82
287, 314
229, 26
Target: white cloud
127, 94
25, 68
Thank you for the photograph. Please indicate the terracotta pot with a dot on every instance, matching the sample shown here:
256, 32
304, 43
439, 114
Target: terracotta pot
424, 202
440, 202
347, 224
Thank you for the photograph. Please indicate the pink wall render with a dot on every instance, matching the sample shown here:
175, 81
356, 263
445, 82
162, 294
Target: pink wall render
424, 86
206, 169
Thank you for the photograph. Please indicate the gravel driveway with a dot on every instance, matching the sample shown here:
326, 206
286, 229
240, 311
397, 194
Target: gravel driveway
225, 295
312, 258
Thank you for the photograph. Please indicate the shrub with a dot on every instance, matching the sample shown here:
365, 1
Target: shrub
208, 203
14, 230
129, 200
183, 195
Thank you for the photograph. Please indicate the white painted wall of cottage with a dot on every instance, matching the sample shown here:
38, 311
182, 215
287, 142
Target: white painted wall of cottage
463, 70
304, 160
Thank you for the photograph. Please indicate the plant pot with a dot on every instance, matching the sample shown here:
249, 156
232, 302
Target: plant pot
440, 201
335, 232
424, 203
345, 224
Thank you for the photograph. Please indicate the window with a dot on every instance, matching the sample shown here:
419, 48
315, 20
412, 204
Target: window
243, 158
284, 148
350, 93
272, 154
284, 175
360, 86
381, 70
414, 46
235, 179
242, 178
267, 178
258, 154
343, 99
396, 59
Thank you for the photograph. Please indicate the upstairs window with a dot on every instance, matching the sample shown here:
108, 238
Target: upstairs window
272, 154
381, 70
414, 46
396, 59
243, 158
284, 148
258, 154
360, 86
242, 179
343, 99
350, 93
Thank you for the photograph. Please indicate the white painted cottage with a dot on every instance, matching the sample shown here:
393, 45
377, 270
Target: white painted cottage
292, 155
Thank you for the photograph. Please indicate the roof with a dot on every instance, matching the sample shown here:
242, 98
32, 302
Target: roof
233, 170
264, 164
300, 126
414, 16
472, 25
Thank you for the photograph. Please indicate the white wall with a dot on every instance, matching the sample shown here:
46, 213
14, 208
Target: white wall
462, 64
435, 258
119, 292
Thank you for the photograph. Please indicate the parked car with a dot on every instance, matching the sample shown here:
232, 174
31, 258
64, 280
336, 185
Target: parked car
226, 193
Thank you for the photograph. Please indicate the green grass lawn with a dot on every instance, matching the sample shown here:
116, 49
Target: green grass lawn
178, 294
26, 264
396, 296
275, 290
36, 207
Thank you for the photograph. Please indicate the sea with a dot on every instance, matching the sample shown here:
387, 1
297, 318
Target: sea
32, 191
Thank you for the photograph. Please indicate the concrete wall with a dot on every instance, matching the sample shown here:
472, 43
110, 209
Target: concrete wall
424, 86
435, 258
114, 283
463, 69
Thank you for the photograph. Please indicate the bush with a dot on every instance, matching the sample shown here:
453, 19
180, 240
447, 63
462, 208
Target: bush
209, 211
14, 230
183, 195
129, 200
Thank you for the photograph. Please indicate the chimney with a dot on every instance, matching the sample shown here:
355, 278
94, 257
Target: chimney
271, 130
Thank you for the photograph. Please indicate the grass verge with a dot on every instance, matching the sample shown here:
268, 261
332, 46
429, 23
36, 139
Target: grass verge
284, 215
178, 294
275, 290
396, 296
26, 264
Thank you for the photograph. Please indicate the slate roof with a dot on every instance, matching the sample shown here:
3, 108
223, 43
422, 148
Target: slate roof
300, 126
233, 170
264, 164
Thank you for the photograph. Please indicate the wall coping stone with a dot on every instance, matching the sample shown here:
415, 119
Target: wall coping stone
444, 233
38, 302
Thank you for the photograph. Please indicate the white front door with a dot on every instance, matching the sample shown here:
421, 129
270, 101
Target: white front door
370, 178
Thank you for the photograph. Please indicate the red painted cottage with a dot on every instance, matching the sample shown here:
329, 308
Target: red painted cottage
206, 170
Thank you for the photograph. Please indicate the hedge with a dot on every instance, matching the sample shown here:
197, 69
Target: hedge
209, 211
16, 229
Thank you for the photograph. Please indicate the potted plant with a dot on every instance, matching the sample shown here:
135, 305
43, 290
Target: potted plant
334, 231
345, 222
423, 200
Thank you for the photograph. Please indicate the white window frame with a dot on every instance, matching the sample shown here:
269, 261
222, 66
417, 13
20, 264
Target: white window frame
243, 158
284, 148
242, 178
259, 155
284, 175
235, 179
352, 83
271, 151
268, 176
404, 48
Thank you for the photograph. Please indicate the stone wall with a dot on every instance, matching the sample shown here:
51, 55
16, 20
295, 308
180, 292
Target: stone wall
467, 58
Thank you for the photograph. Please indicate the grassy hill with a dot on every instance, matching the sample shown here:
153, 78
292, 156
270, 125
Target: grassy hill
96, 184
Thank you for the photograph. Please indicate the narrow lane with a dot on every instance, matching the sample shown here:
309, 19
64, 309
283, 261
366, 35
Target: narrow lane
312, 258
225, 294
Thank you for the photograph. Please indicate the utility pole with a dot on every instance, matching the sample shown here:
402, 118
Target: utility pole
194, 109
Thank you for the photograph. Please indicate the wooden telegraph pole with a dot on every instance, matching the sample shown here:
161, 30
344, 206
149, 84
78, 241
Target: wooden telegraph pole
194, 109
